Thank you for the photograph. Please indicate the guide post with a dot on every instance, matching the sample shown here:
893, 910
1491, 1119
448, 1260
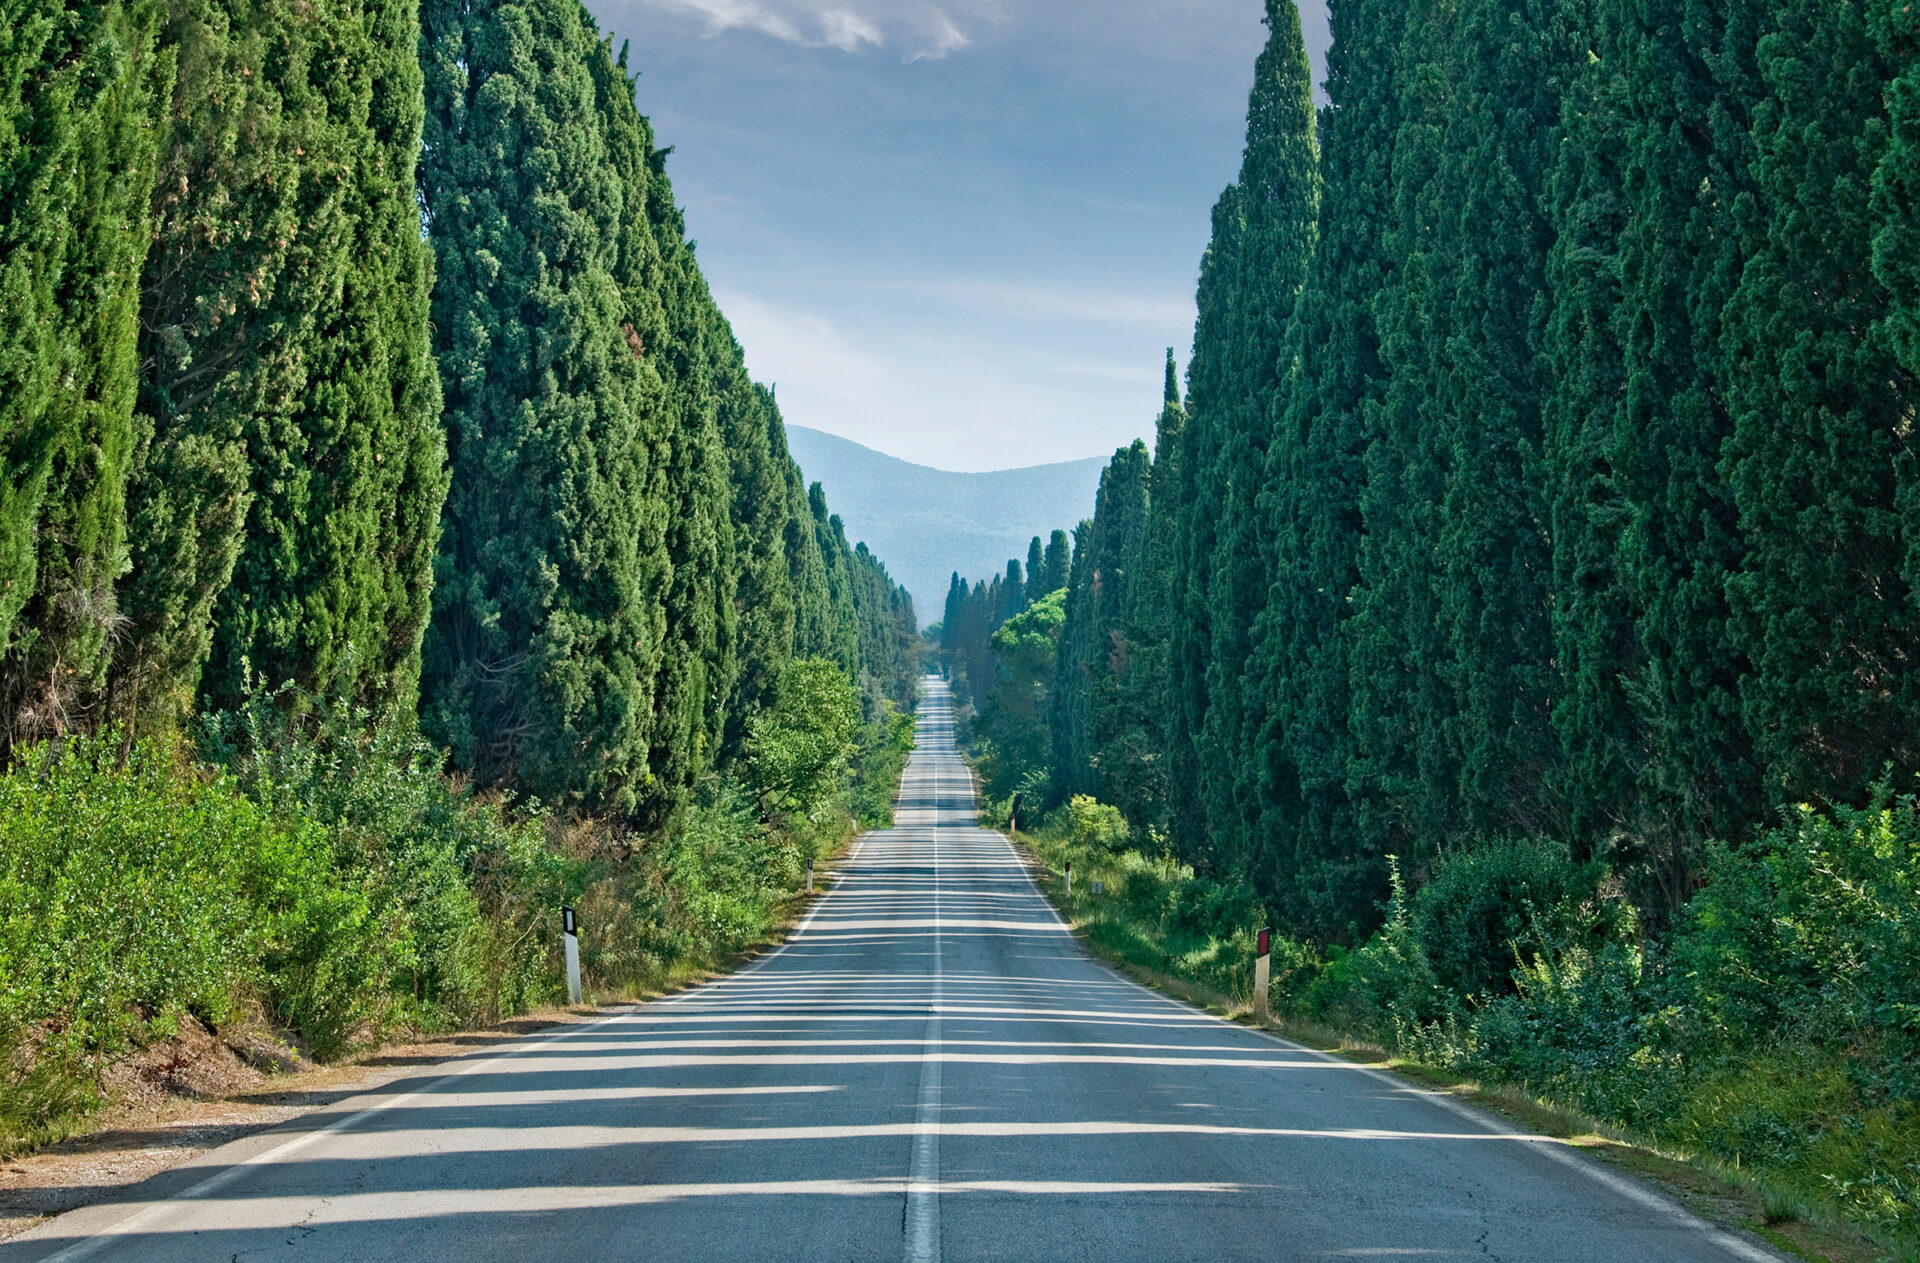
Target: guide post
570, 936
1262, 974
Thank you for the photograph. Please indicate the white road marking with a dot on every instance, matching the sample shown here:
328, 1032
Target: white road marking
923, 1177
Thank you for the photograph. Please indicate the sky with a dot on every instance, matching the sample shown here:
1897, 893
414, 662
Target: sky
962, 232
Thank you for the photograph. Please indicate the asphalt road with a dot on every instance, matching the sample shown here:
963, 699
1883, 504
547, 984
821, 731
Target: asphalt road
931, 1068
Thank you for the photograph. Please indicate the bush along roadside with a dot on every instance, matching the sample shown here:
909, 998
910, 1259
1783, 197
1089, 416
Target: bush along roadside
1772, 1035
309, 866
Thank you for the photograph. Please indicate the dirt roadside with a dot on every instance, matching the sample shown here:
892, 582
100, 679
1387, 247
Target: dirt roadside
181, 1097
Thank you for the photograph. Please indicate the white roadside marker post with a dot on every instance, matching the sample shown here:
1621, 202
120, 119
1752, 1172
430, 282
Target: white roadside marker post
1069, 879
570, 936
1262, 974
809, 874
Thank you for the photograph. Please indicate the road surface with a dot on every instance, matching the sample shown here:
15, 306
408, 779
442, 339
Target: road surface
930, 1069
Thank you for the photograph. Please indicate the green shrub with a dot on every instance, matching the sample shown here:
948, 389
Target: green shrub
1484, 911
1096, 825
435, 900
132, 892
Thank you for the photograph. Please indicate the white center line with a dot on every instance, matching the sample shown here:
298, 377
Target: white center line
923, 1177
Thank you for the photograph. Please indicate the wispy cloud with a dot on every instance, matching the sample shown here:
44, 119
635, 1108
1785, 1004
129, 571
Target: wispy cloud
1159, 311
922, 31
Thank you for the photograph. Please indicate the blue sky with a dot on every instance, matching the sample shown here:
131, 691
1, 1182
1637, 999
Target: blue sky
963, 232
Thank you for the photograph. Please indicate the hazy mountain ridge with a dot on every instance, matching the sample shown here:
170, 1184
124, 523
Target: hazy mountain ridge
927, 523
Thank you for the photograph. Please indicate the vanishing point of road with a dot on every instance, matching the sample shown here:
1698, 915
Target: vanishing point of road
931, 1068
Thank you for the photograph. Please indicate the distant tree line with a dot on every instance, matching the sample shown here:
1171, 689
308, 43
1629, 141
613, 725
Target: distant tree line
358, 345
1547, 463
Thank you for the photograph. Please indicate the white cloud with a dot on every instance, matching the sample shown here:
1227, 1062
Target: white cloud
922, 30
1171, 312
915, 392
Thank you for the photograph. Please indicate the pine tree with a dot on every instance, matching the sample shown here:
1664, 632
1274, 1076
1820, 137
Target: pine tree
80, 88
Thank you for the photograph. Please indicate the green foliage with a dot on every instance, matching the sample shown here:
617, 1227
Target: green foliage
885, 746
444, 888
1013, 722
1772, 1030
79, 86
133, 894
799, 750
297, 441
1095, 826
1484, 912
551, 588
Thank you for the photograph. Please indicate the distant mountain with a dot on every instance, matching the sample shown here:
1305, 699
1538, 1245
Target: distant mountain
927, 523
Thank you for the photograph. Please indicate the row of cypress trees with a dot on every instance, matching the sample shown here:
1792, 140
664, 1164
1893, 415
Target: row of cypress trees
974, 613
358, 344
1546, 468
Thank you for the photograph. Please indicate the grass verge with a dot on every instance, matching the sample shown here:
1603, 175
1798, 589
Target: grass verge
1178, 954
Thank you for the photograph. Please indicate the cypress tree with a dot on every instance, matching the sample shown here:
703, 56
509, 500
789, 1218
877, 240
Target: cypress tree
80, 88
1013, 592
1321, 879
1516, 62
549, 622
756, 444
1058, 562
1093, 717
813, 628
1153, 596
1401, 780
698, 668
1819, 447
1280, 196
334, 378
1593, 610
296, 443
1037, 570
1195, 510
1896, 215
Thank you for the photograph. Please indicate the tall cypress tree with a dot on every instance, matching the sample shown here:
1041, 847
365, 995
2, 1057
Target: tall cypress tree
1058, 562
1515, 64
1820, 446
699, 666
549, 624
1151, 617
756, 443
296, 440
80, 88
1321, 878
1593, 610
1896, 214
1280, 184
1401, 778
1093, 718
